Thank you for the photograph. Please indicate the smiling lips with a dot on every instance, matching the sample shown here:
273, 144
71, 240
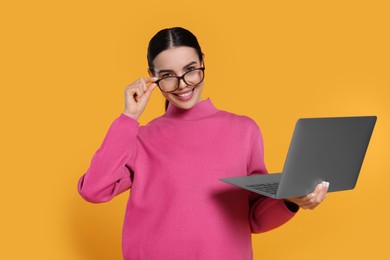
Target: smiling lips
185, 95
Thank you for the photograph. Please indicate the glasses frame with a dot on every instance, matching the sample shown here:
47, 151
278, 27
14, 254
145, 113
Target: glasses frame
180, 78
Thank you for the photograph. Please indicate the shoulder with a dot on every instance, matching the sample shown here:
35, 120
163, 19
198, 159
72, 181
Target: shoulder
153, 124
241, 125
243, 121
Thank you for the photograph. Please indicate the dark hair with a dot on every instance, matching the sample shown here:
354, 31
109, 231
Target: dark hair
168, 38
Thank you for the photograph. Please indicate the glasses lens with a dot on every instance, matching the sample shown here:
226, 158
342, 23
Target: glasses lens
168, 84
193, 77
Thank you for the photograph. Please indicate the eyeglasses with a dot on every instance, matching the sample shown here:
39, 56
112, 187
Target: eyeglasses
171, 83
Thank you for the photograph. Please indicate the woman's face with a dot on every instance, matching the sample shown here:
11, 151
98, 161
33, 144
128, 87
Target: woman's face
175, 62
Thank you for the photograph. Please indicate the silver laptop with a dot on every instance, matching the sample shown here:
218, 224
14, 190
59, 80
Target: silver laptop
321, 149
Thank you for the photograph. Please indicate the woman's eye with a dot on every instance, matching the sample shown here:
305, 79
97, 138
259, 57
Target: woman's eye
167, 75
190, 68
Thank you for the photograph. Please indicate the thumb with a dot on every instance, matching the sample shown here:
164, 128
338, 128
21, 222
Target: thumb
149, 91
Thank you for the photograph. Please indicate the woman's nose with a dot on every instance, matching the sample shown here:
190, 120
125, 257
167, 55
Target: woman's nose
182, 84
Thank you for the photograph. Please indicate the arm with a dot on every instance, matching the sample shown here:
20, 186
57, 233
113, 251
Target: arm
265, 213
109, 173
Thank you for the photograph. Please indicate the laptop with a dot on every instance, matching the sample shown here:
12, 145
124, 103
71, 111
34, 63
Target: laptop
328, 149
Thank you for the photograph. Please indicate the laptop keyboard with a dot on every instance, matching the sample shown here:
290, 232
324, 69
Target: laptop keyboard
271, 187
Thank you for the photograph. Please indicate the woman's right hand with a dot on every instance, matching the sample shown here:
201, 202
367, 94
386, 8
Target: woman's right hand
137, 96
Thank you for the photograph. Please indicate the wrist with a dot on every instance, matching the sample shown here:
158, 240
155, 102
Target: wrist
291, 206
130, 115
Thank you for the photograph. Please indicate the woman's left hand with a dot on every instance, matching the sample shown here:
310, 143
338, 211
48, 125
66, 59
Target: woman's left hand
312, 200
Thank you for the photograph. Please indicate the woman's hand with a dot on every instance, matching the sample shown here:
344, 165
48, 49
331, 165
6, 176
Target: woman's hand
137, 95
312, 200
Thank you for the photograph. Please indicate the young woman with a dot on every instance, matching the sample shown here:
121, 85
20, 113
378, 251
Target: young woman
178, 208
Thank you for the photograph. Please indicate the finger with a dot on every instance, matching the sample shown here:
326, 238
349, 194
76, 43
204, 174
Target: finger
149, 80
309, 202
133, 89
312, 196
151, 87
135, 92
318, 187
327, 186
324, 191
149, 90
142, 82
139, 94
307, 198
310, 205
302, 201
319, 197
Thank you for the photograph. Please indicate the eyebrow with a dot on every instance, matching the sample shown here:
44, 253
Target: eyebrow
186, 66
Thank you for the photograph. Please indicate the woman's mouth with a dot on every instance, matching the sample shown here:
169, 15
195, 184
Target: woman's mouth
185, 95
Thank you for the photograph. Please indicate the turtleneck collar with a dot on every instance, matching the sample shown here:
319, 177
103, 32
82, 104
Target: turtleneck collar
200, 110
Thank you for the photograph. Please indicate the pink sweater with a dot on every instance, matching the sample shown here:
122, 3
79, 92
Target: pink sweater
178, 208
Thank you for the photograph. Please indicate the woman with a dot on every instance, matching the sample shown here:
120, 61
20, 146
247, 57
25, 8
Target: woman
178, 208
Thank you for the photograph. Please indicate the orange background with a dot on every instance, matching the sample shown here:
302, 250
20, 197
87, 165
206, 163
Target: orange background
64, 65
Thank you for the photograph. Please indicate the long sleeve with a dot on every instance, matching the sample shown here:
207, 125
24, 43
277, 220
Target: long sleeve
109, 173
265, 213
